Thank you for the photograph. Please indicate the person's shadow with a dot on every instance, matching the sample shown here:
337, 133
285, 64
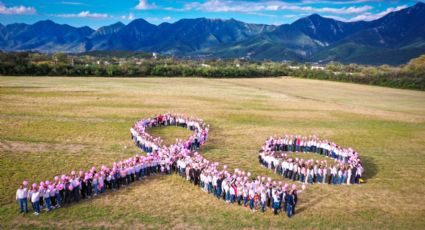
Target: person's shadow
370, 168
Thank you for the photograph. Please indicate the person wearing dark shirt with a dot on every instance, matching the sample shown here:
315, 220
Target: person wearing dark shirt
289, 199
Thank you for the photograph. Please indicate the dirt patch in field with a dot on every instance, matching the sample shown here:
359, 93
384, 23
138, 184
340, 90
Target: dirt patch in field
26, 147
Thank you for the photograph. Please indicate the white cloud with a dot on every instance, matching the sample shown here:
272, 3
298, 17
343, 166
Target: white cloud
74, 3
367, 16
167, 19
338, 2
16, 9
173, 9
290, 16
246, 6
262, 14
144, 5
158, 20
129, 17
84, 14
336, 18
370, 16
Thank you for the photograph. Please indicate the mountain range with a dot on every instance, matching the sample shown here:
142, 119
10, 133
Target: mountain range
393, 39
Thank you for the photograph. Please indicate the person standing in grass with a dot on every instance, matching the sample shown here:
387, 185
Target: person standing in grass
219, 186
295, 197
319, 174
96, 184
256, 201
340, 173
349, 174
359, 172
53, 201
263, 200
59, 189
240, 192
46, 196
21, 197
245, 195
68, 191
276, 202
35, 200
334, 173
251, 198
303, 173
289, 200
325, 174
344, 175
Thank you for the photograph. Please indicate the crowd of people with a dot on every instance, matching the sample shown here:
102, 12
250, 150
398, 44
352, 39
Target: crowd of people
232, 186
346, 167
73, 187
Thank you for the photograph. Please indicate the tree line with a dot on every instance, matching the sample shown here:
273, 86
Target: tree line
409, 76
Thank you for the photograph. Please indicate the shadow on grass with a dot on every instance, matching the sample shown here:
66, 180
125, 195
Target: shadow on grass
207, 148
371, 169
310, 204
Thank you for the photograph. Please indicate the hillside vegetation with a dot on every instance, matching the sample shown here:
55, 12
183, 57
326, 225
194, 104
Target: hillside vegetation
128, 64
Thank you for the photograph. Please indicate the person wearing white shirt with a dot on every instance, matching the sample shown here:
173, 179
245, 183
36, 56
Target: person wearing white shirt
232, 193
182, 168
251, 194
76, 189
21, 197
263, 199
276, 202
35, 200
319, 175
290, 170
210, 184
295, 172
349, 172
307, 175
275, 163
311, 176
340, 173
214, 183
334, 173
46, 197
359, 172
284, 168
239, 193
325, 174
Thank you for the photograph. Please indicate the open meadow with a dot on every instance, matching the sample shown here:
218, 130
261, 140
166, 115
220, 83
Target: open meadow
51, 125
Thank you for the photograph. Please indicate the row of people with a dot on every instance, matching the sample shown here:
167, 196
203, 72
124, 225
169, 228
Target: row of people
290, 143
347, 168
310, 171
239, 187
73, 187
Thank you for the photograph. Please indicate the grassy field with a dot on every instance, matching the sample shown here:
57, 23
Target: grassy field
52, 125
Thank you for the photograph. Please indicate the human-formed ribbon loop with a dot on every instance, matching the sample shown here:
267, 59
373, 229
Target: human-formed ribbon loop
182, 158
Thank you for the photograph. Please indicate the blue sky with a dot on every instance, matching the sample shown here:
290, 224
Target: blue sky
96, 13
